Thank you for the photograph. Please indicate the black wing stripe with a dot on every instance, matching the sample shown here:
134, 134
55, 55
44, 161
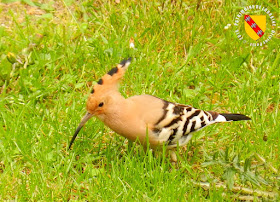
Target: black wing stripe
173, 135
203, 124
174, 121
164, 112
185, 126
193, 126
202, 118
178, 110
188, 121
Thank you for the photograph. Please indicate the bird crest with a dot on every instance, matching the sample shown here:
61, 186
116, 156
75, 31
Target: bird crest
110, 81
112, 78
106, 88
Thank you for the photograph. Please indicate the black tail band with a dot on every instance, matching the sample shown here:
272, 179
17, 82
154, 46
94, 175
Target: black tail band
235, 117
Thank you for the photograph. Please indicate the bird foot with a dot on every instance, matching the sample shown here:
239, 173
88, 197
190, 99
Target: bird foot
173, 157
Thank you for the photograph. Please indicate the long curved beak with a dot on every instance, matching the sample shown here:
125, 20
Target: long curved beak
83, 121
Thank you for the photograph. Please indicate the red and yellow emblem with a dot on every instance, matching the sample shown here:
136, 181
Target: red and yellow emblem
255, 25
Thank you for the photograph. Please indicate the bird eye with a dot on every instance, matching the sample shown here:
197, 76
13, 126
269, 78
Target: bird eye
101, 104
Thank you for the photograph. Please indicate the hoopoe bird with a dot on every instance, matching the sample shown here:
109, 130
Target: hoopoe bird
145, 117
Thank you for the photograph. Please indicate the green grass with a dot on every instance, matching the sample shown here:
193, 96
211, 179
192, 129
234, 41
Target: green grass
183, 54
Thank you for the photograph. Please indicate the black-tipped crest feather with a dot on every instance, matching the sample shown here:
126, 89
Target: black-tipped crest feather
113, 71
123, 62
100, 82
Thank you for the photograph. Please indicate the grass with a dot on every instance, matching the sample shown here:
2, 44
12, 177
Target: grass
183, 54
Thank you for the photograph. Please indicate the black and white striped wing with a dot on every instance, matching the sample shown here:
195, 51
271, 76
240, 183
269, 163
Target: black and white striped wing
178, 121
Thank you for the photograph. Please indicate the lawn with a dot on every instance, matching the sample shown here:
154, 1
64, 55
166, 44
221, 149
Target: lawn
52, 52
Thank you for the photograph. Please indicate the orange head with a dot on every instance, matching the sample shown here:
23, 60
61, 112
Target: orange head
102, 94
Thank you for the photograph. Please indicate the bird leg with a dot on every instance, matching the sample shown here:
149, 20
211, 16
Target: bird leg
173, 156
